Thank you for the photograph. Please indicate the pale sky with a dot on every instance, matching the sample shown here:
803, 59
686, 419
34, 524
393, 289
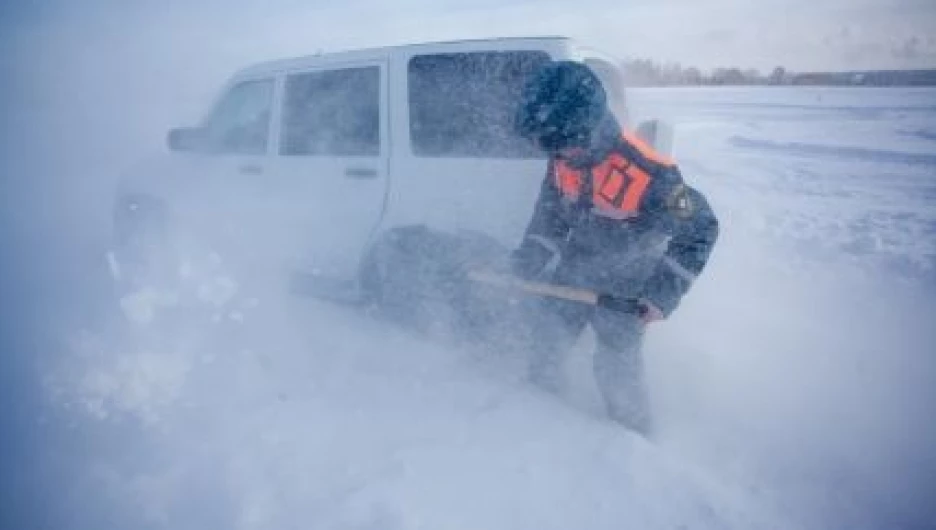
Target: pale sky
799, 34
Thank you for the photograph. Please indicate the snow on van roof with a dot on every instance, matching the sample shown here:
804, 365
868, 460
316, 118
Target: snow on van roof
374, 53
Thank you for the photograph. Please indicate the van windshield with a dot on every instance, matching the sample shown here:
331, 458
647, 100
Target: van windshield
463, 104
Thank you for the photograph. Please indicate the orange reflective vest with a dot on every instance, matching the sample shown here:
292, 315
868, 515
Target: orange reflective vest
618, 184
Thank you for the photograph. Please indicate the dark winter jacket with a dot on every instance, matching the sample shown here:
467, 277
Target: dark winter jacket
654, 251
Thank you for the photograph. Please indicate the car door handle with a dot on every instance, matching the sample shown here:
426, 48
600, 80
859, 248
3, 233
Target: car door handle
251, 169
360, 173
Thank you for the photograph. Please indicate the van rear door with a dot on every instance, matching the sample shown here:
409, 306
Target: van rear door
328, 179
459, 164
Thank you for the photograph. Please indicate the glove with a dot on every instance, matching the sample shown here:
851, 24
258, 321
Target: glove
649, 312
536, 256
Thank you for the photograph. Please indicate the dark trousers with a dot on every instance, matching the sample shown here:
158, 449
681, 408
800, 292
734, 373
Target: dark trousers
617, 362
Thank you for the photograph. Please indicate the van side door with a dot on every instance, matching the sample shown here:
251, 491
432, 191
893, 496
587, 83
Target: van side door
330, 169
211, 187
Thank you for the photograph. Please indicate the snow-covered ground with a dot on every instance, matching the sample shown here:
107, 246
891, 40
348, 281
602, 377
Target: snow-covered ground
793, 387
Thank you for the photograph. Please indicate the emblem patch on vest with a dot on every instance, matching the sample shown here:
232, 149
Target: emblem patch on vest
679, 203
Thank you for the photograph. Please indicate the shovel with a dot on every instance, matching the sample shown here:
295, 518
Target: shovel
562, 292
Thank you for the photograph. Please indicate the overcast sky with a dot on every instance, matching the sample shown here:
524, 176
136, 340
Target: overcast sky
135, 68
799, 34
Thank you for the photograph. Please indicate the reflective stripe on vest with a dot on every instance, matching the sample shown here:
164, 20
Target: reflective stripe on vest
646, 151
618, 185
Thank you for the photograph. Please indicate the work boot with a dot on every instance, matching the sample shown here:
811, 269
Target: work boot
633, 414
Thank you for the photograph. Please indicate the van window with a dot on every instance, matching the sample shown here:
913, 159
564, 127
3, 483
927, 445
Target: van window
240, 122
463, 104
332, 113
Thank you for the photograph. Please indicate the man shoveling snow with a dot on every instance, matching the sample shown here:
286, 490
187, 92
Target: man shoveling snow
613, 217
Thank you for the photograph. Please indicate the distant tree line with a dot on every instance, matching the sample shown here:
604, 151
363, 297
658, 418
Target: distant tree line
645, 72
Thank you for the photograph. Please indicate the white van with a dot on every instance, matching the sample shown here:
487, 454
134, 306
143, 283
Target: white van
304, 164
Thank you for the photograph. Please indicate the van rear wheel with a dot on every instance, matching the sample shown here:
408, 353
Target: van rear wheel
417, 278
400, 280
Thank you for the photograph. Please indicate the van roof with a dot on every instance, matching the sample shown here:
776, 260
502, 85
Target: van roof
365, 54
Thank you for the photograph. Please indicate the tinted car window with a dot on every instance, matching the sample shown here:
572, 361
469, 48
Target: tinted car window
463, 104
334, 113
240, 122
